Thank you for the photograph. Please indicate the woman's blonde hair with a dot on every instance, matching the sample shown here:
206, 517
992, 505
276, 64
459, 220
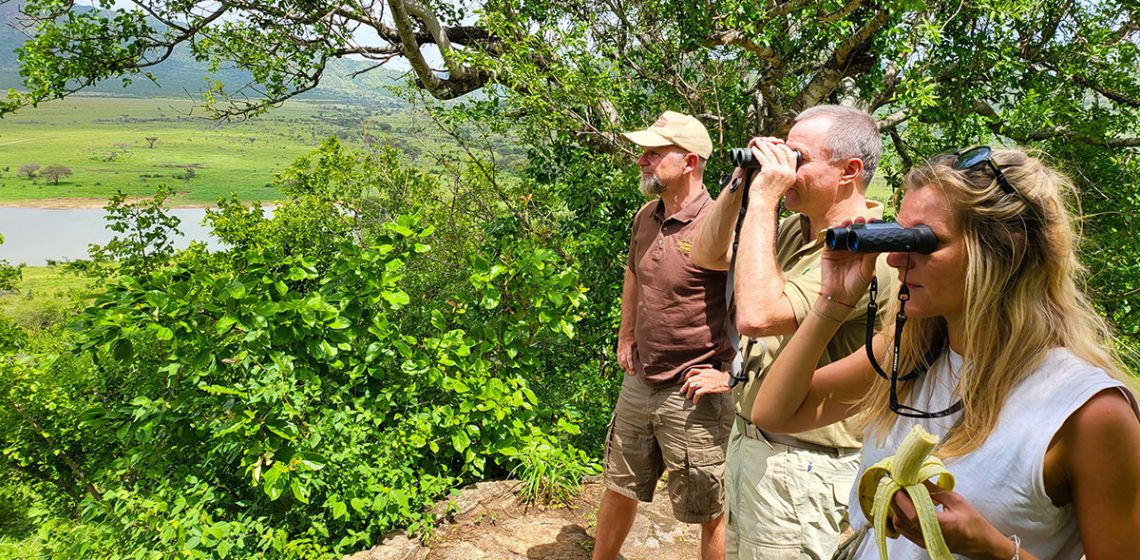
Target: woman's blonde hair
1022, 293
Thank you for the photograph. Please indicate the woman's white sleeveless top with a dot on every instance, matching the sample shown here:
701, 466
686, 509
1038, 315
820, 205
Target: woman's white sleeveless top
1003, 478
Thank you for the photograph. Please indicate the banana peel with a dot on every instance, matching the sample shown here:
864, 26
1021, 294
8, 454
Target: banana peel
907, 469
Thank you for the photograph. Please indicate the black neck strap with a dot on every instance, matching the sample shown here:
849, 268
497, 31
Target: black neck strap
745, 180
893, 377
900, 321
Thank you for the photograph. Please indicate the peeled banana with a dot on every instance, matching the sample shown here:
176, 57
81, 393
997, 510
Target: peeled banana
910, 466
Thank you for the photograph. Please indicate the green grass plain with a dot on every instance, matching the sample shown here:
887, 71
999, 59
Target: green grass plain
103, 141
43, 295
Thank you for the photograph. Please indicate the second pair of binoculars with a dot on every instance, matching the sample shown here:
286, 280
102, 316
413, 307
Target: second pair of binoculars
882, 237
742, 158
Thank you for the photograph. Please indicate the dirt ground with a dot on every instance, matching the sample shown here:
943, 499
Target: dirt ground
490, 524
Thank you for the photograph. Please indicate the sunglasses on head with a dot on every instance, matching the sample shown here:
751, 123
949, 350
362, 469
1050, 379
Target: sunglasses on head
973, 157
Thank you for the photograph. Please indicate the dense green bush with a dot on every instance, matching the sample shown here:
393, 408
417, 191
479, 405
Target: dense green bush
322, 382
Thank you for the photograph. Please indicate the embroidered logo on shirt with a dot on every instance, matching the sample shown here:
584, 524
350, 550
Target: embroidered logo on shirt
685, 245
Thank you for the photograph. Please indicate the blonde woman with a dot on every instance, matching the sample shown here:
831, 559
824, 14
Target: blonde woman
1013, 370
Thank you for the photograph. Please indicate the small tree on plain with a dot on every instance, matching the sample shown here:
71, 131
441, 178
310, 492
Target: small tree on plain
150, 140
54, 172
29, 169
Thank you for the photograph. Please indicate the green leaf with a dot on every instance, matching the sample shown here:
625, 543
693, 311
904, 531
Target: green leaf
339, 509
313, 461
300, 492
285, 429
438, 321
221, 390
225, 323
359, 504
491, 298
156, 298
322, 349
236, 289
401, 347
460, 441
566, 328
275, 480
397, 298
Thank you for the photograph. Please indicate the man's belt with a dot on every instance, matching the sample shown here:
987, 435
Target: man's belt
752, 432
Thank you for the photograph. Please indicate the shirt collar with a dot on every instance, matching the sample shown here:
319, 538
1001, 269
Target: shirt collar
688, 213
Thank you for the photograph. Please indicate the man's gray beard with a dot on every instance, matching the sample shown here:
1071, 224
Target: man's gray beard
651, 186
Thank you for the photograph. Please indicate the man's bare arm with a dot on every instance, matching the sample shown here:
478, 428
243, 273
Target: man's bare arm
712, 249
761, 308
628, 322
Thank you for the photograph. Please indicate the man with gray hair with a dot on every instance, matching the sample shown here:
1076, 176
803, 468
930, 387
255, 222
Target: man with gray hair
786, 496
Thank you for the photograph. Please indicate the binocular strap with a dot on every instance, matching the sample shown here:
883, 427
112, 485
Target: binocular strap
921, 368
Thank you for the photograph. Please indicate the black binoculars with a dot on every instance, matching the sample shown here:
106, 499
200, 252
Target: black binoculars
742, 158
882, 237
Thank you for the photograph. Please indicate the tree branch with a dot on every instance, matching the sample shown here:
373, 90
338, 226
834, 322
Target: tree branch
455, 70
45, 477
1114, 95
451, 88
893, 72
1031, 52
839, 64
737, 39
890, 121
998, 126
900, 149
63, 455
841, 12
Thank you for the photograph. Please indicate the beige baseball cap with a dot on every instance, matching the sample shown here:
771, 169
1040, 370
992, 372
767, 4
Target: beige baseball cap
674, 129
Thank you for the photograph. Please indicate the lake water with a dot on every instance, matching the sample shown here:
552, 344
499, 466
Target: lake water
34, 235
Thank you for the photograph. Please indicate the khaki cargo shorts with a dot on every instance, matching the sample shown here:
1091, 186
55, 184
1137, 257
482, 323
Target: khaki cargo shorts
785, 503
656, 430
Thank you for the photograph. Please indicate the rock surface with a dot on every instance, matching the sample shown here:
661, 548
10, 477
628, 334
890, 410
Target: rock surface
488, 523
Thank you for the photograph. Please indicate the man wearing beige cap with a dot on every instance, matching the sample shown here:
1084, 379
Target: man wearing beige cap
674, 413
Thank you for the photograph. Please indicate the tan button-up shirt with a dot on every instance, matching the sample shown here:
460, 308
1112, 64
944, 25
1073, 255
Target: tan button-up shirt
799, 253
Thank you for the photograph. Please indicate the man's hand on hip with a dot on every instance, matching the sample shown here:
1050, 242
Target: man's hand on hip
625, 355
700, 381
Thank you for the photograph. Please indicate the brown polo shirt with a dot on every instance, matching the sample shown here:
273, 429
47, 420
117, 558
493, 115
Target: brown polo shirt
799, 252
680, 306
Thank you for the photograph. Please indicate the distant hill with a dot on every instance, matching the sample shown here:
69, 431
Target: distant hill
181, 75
